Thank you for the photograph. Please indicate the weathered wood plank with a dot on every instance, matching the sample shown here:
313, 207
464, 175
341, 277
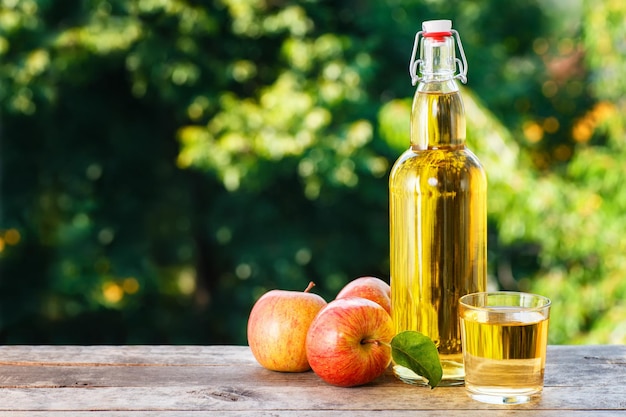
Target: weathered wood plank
226, 380
89, 376
314, 413
224, 355
599, 365
127, 355
252, 398
167, 366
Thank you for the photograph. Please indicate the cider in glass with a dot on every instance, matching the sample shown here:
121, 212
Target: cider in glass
505, 337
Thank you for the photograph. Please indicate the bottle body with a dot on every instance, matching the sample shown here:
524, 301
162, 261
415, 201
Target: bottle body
438, 226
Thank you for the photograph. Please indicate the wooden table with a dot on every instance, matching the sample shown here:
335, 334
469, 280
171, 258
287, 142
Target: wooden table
226, 381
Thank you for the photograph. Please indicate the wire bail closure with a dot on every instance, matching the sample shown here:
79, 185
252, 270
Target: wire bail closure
414, 64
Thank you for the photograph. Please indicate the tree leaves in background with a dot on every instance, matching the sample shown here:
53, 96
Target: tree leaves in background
164, 163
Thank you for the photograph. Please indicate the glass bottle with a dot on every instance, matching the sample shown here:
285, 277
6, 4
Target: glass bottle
438, 209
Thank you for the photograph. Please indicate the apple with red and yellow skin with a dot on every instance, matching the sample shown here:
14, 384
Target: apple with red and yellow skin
348, 343
372, 288
278, 326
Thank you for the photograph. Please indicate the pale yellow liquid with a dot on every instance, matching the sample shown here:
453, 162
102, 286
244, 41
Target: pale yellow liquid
502, 358
437, 230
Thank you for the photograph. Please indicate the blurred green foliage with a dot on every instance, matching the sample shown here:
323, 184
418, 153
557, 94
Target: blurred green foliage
165, 162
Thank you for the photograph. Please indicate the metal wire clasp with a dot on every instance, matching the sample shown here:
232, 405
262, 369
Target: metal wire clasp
414, 64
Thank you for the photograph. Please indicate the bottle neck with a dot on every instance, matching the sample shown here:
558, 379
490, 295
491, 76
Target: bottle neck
438, 116
437, 58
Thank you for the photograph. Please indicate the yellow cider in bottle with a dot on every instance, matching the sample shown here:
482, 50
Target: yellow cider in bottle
438, 212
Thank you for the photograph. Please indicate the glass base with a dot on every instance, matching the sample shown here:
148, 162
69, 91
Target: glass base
502, 397
453, 374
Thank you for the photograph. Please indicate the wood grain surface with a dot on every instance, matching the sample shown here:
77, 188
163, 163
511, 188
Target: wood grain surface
166, 381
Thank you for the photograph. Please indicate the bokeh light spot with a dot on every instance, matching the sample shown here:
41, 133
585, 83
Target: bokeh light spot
12, 237
112, 292
130, 285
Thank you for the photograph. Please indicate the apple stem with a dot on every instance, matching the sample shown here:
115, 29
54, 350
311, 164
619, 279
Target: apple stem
374, 341
311, 285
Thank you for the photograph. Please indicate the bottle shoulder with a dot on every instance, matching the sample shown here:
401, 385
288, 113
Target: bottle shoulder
459, 160
447, 171
439, 156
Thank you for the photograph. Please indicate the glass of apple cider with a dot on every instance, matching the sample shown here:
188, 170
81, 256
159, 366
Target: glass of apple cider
504, 337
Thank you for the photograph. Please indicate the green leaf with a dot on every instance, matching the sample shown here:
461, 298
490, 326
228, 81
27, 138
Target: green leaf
417, 352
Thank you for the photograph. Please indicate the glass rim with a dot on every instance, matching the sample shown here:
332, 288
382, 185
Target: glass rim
546, 301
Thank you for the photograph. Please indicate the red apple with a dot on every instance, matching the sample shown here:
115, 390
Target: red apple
348, 342
278, 325
372, 288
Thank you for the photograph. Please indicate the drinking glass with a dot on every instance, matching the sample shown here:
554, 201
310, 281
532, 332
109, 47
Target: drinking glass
504, 337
